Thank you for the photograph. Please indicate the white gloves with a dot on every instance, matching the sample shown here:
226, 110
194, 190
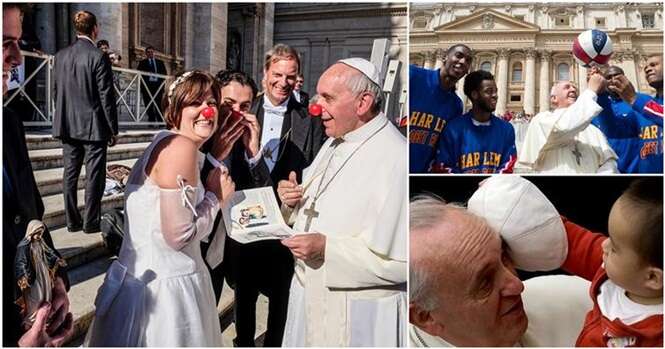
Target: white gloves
183, 223
526, 220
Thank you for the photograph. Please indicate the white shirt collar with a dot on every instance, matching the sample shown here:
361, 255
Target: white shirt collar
274, 109
366, 130
85, 37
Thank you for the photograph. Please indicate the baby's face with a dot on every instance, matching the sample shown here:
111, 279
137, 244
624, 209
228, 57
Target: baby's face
622, 262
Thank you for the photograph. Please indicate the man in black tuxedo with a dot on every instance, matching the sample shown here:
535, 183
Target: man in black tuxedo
21, 204
85, 119
301, 96
280, 137
156, 66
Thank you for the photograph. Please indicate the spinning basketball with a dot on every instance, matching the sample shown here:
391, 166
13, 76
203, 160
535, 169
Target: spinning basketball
592, 46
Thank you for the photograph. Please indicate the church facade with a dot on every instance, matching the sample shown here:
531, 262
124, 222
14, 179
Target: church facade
216, 36
527, 46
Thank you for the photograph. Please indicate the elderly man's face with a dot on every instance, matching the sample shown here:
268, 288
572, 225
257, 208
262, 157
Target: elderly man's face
478, 300
564, 94
341, 108
11, 33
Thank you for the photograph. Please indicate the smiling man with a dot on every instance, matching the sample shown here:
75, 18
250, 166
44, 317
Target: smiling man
564, 141
433, 103
279, 140
477, 142
350, 218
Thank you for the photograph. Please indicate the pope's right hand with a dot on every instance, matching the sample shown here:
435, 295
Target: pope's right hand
290, 192
597, 82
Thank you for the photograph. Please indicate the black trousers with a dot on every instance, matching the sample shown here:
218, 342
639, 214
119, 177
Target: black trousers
75, 152
261, 267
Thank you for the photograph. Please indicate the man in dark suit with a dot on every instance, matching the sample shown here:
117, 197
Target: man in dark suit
301, 96
21, 204
155, 66
280, 137
85, 120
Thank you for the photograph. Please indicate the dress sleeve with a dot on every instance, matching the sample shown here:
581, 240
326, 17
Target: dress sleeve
181, 221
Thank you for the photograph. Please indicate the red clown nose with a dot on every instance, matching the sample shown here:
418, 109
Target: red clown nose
236, 114
315, 110
208, 113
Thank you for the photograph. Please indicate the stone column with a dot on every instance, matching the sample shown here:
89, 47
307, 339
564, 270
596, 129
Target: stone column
46, 30
429, 60
530, 82
439, 55
460, 91
630, 68
206, 42
581, 78
502, 80
545, 85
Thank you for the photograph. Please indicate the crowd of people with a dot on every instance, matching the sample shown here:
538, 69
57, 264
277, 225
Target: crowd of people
331, 278
607, 128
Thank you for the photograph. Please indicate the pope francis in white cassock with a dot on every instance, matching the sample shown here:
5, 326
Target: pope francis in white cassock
350, 272
564, 141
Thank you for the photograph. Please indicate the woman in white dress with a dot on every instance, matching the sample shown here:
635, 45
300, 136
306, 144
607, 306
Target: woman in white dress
158, 292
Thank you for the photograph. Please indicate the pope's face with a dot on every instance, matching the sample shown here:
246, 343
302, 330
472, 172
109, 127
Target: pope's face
280, 79
479, 302
565, 94
11, 33
340, 106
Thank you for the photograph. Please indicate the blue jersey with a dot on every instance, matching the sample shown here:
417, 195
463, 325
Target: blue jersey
470, 147
634, 136
431, 108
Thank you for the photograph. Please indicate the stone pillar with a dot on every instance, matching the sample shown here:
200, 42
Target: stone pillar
530, 82
545, 84
205, 45
502, 80
264, 20
630, 68
45, 18
439, 55
429, 60
581, 78
460, 91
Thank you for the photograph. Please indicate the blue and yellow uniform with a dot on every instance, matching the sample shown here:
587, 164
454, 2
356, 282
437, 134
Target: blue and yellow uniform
468, 146
430, 109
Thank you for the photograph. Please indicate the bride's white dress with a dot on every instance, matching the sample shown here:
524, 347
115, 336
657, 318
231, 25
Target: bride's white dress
153, 294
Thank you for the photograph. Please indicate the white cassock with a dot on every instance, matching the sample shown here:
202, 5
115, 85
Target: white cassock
564, 141
357, 295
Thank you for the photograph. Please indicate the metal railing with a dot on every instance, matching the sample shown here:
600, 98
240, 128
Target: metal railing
34, 98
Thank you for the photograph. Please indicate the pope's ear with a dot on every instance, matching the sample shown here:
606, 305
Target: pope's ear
365, 103
423, 320
654, 279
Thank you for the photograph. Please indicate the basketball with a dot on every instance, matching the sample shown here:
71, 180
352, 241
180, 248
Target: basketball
592, 46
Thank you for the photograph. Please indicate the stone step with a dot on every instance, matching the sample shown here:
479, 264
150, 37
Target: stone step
86, 279
54, 207
36, 141
50, 181
52, 158
78, 248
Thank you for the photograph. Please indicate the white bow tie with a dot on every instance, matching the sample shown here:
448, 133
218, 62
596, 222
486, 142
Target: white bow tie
269, 108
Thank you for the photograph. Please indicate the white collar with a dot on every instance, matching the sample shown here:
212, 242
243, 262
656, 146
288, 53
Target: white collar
274, 109
85, 37
481, 123
366, 130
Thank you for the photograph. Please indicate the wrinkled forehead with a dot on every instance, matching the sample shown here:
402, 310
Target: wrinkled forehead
564, 85
655, 60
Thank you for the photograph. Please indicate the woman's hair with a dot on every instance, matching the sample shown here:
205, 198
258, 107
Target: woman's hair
187, 89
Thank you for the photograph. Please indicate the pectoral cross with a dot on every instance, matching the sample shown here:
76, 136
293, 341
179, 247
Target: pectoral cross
311, 213
577, 154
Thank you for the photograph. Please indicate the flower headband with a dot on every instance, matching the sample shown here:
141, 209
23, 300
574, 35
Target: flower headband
177, 82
